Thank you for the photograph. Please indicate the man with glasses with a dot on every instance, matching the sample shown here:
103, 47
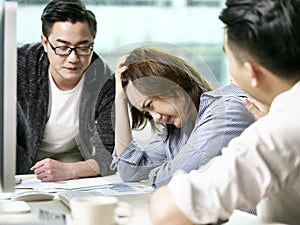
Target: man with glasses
66, 94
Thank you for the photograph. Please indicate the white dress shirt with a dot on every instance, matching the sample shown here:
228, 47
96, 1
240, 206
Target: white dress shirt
264, 162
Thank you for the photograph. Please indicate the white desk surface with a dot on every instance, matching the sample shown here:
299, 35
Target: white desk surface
140, 211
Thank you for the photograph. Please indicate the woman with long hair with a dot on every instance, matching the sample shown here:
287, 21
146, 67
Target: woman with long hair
190, 121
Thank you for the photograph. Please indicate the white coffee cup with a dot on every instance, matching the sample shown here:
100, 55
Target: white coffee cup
100, 210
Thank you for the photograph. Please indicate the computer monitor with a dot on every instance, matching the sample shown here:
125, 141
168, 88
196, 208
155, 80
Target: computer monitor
8, 95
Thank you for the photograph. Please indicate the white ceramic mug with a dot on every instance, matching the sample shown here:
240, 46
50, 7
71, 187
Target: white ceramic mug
100, 210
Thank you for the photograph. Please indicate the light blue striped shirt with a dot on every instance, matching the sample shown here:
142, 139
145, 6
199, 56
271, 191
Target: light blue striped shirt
221, 117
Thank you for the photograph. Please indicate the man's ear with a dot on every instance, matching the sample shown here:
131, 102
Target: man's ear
254, 72
44, 42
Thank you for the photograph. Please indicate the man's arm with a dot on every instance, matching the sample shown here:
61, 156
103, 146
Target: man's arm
165, 212
242, 175
96, 125
53, 170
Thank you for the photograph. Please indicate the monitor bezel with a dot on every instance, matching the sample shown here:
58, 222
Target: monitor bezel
8, 99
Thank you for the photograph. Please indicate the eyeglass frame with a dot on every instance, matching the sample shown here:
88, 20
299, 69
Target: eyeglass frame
69, 49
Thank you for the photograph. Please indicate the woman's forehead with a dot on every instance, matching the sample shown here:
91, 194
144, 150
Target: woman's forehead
135, 96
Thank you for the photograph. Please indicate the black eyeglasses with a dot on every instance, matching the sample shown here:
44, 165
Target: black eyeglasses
65, 50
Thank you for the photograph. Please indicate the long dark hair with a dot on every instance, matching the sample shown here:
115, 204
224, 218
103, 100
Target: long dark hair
166, 74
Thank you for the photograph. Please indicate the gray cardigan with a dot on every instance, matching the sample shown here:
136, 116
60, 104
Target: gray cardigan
96, 116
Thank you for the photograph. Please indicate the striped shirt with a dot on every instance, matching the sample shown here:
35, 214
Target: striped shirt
221, 117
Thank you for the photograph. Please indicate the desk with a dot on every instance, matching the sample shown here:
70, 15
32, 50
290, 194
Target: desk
140, 211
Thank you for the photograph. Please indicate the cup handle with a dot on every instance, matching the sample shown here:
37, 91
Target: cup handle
123, 212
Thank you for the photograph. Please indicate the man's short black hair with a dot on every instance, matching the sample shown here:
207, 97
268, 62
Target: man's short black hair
67, 10
267, 31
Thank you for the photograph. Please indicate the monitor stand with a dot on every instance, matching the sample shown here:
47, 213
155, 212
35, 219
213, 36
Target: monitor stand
9, 207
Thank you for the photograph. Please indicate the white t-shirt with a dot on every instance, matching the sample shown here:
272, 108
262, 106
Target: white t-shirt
62, 125
263, 163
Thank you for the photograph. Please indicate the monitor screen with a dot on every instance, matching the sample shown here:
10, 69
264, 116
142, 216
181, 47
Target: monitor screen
8, 84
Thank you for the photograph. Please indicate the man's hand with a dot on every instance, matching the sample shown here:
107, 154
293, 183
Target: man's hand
163, 210
53, 170
256, 108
